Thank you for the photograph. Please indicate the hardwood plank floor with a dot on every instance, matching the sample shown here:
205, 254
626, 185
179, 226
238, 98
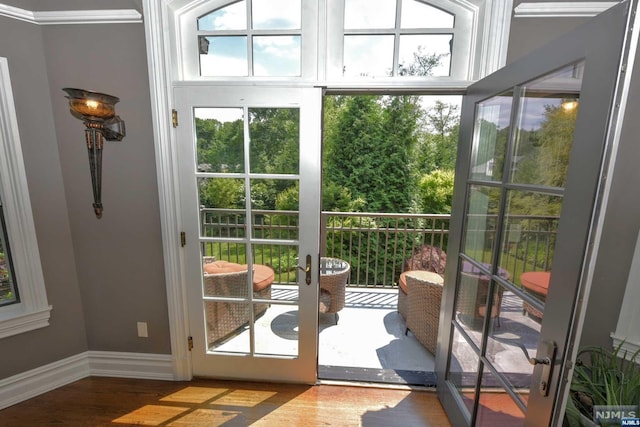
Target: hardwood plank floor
98, 401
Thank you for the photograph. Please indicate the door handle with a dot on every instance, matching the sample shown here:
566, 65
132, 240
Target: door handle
307, 270
548, 356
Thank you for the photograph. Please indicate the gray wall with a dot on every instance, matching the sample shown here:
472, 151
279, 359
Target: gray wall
119, 257
101, 276
622, 222
22, 45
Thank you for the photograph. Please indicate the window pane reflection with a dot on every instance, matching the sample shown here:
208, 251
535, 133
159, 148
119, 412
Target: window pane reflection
425, 55
463, 368
358, 51
275, 140
480, 227
232, 17
277, 331
491, 132
546, 123
219, 139
223, 56
276, 55
416, 14
495, 406
276, 14
513, 338
361, 14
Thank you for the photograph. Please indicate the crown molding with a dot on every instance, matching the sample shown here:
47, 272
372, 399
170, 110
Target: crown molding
561, 9
66, 17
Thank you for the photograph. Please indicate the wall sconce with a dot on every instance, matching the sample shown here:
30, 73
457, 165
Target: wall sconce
97, 111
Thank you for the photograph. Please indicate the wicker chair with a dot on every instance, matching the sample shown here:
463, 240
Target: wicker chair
424, 297
224, 318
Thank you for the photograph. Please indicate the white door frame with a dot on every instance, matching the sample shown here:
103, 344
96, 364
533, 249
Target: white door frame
492, 17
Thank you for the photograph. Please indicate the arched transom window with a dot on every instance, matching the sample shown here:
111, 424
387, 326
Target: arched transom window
335, 40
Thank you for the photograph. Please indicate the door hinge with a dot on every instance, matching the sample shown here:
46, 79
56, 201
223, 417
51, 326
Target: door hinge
190, 343
183, 239
174, 118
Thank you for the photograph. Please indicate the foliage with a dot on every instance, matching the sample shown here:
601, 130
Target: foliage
368, 146
603, 377
423, 63
436, 192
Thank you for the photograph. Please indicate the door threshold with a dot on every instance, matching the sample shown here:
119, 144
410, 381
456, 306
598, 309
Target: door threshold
348, 374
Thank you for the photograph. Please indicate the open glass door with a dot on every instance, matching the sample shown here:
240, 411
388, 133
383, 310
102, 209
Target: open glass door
251, 258
533, 140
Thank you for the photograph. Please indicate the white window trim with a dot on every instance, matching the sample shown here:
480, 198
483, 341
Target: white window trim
110, 16
33, 310
559, 9
162, 37
466, 21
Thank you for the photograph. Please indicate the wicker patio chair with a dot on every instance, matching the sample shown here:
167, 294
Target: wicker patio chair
424, 297
224, 318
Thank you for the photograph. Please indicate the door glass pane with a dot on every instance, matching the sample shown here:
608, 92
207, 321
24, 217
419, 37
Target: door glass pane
416, 14
276, 14
495, 406
473, 302
425, 54
546, 122
223, 56
220, 193
219, 139
463, 368
480, 227
491, 133
277, 330
225, 324
275, 209
529, 251
275, 140
358, 52
361, 14
276, 56
513, 339
232, 17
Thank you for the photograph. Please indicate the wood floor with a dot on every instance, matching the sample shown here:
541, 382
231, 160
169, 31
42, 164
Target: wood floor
97, 401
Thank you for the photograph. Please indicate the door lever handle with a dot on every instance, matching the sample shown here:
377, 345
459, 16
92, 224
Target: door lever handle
542, 361
307, 270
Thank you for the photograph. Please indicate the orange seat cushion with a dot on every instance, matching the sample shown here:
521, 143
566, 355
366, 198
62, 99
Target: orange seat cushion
263, 276
218, 267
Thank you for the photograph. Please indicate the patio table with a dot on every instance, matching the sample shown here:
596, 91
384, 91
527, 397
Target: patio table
535, 283
334, 275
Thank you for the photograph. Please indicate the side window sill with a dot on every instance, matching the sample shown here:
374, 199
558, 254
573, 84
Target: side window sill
16, 319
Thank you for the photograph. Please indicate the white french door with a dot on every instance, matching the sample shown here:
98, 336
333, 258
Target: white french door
249, 162
534, 139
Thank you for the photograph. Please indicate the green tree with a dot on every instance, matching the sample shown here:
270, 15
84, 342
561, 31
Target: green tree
436, 192
438, 147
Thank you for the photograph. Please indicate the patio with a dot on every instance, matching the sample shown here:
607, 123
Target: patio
384, 354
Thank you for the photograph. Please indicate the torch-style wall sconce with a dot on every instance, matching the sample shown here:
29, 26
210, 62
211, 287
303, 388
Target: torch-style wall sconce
97, 111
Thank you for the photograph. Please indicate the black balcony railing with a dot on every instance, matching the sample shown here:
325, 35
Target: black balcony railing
376, 245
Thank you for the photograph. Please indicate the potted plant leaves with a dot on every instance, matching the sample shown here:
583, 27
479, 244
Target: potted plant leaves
602, 377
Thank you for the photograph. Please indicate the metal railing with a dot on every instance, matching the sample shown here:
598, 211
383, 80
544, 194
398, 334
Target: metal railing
376, 245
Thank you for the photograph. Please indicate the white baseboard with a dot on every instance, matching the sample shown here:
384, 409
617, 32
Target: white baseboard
37, 381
